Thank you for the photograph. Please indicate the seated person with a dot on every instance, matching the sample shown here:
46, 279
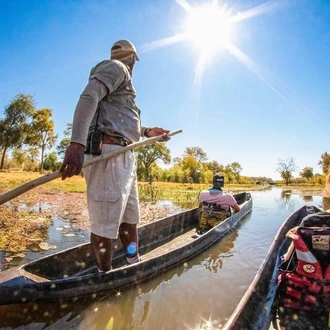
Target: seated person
215, 205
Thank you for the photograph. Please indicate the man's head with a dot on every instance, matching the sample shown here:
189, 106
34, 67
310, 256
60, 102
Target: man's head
125, 52
122, 50
218, 183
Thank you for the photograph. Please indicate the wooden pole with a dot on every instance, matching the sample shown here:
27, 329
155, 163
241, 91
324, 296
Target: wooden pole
49, 177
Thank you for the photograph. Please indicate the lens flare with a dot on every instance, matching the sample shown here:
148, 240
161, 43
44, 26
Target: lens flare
131, 249
211, 28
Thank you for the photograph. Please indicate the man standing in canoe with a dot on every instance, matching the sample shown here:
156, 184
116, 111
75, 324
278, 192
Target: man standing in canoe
107, 118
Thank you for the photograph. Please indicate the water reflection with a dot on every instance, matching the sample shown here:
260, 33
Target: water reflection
214, 262
214, 258
120, 311
51, 315
307, 198
286, 201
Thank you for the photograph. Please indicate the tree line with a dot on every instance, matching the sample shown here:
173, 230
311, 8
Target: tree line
28, 142
287, 167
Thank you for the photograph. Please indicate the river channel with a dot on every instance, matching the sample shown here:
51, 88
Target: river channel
200, 294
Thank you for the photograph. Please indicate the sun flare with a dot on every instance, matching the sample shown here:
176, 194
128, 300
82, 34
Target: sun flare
209, 27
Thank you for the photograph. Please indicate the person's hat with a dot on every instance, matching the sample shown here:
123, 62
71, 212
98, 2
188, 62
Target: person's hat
218, 182
122, 49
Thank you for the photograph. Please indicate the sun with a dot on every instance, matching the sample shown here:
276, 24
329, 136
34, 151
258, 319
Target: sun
210, 28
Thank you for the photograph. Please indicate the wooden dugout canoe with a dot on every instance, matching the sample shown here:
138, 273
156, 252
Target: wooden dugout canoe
72, 272
257, 308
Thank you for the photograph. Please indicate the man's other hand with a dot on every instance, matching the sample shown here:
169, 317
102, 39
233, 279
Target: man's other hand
155, 131
73, 160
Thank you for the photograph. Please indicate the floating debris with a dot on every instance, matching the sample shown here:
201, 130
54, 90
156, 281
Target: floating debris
45, 246
19, 255
69, 235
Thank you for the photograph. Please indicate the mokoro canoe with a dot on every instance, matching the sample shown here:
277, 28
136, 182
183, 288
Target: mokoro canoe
256, 309
72, 272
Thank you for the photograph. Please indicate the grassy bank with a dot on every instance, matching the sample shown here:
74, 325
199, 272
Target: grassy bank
9, 181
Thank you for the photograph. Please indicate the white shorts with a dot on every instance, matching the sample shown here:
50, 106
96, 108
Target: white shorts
112, 194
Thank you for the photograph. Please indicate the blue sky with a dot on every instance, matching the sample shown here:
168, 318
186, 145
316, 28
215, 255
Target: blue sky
263, 98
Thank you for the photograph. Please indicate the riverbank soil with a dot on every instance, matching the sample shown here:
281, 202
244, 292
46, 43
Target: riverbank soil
24, 220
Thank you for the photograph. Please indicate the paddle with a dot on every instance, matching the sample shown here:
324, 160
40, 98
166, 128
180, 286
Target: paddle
49, 177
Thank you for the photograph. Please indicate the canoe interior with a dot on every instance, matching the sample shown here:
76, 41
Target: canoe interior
155, 238
255, 310
80, 260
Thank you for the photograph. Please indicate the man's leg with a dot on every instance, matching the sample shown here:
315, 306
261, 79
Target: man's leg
108, 189
102, 248
128, 232
129, 238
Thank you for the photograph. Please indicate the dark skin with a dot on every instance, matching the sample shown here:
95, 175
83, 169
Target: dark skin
72, 165
102, 246
73, 160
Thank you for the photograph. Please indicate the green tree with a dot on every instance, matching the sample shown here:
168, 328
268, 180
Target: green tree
32, 163
19, 157
236, 169
286, 168
173, 174
215, 167
307, 172
324, 162
197, 153
206, 175
192, 164
192, 168
14, 126
229, 175
177, 161
42, 132
148, 155
319, 178
63, 145
51, 163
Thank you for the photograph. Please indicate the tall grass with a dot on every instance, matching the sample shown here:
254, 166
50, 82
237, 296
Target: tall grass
181, 193
183, 197
9, 181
